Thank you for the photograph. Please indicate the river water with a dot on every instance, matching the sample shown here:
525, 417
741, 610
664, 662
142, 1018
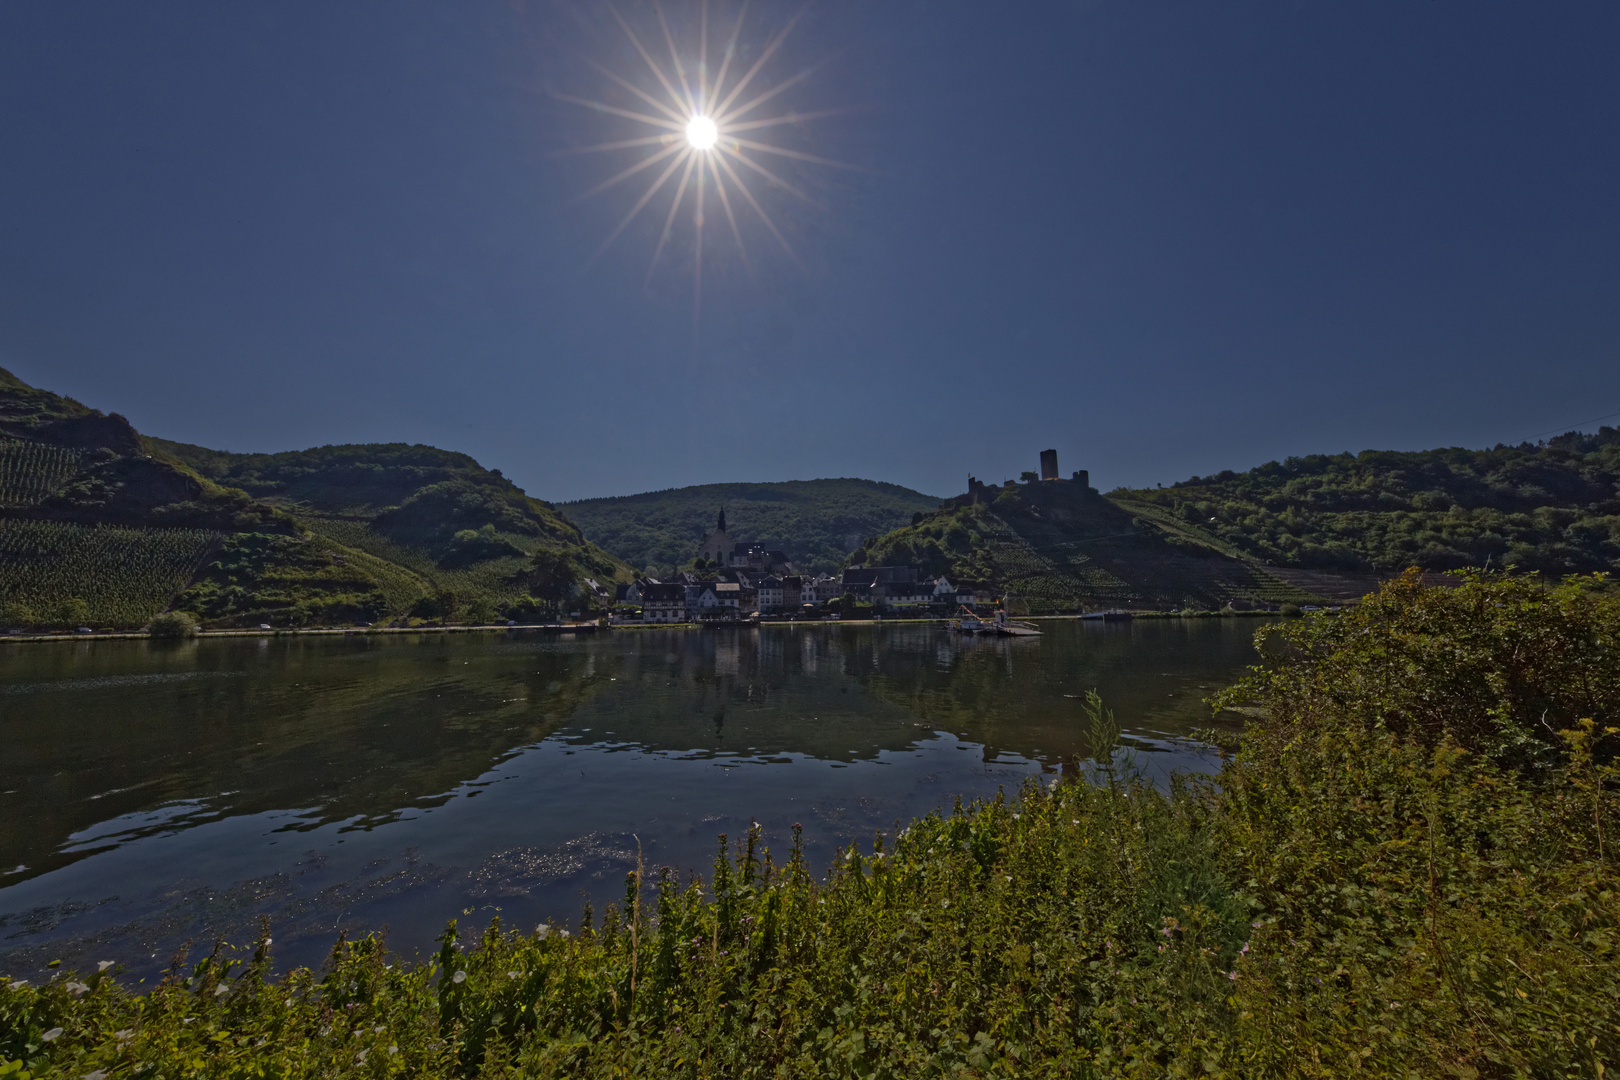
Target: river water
152, 795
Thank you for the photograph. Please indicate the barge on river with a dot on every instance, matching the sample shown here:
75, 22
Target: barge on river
968, 622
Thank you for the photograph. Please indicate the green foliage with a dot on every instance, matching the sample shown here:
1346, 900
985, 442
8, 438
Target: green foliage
30, 471
1341, 900
481, 610
355, 479
443, 523
1057, 547
1424, 910
1552, 507
816, 522
122, 576
396, 524
1499, 666
286, 581
172, 624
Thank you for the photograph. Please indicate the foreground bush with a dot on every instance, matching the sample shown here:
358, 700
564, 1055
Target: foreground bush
1349, 899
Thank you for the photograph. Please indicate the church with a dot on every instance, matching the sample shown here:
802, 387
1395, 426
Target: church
716, 547
720, 549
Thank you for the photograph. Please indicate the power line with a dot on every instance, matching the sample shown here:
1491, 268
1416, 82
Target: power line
1572, 427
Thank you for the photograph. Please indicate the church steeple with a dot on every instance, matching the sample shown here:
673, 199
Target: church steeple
722, 522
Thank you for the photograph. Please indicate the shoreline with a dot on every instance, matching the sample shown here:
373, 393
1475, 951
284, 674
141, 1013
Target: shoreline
557, 628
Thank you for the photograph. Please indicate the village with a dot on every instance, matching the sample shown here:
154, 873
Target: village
742, 581
737, 580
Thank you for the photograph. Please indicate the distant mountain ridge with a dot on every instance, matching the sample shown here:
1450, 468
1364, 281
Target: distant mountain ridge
102, 525
816, 522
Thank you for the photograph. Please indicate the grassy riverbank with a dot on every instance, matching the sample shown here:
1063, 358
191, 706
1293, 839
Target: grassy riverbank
1406, 868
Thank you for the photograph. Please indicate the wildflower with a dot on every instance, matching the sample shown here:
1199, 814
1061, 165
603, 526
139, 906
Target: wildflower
104, 965
459, 977
513, 974
1232, 975
19, 984
76, 988
125, 1035
1165, 930
1244, 949
360, 1058
99, 1074
222, 988
393, 1049
52, 1035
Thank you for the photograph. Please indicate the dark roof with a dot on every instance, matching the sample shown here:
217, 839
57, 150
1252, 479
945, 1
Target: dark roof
665, 592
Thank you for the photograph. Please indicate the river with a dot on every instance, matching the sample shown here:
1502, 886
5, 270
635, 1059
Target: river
153, 795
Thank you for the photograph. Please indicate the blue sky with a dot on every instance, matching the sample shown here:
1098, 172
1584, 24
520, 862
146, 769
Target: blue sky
1165, 238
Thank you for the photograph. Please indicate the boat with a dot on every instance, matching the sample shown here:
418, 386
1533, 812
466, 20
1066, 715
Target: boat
968, 622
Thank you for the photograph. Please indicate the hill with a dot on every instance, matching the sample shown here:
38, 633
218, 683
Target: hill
102, 525
1056, 546
816, 522
1324, 527
1552, 507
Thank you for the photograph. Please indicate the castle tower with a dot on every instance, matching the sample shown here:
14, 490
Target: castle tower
1049, 470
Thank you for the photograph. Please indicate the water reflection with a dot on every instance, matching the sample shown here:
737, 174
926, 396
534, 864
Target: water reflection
152, 794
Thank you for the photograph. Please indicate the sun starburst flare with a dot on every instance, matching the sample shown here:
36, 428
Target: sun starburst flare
698, 139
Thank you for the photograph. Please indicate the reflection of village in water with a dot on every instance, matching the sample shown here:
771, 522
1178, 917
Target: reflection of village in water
841, 693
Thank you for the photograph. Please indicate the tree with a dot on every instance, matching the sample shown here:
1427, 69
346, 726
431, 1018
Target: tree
172, 625
553, 576
16, 613
73, 612
441, 605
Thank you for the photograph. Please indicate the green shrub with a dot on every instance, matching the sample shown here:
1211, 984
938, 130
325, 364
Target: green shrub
1500, 665
172, 624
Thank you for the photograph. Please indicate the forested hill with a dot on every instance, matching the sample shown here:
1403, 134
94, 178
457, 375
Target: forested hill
816, 522
1552, 507
1307, 529
103, 526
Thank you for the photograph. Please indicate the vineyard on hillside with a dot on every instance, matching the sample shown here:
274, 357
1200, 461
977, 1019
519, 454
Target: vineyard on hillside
56, 573
30, 471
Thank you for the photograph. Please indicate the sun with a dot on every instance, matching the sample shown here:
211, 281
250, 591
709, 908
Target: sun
704, 134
